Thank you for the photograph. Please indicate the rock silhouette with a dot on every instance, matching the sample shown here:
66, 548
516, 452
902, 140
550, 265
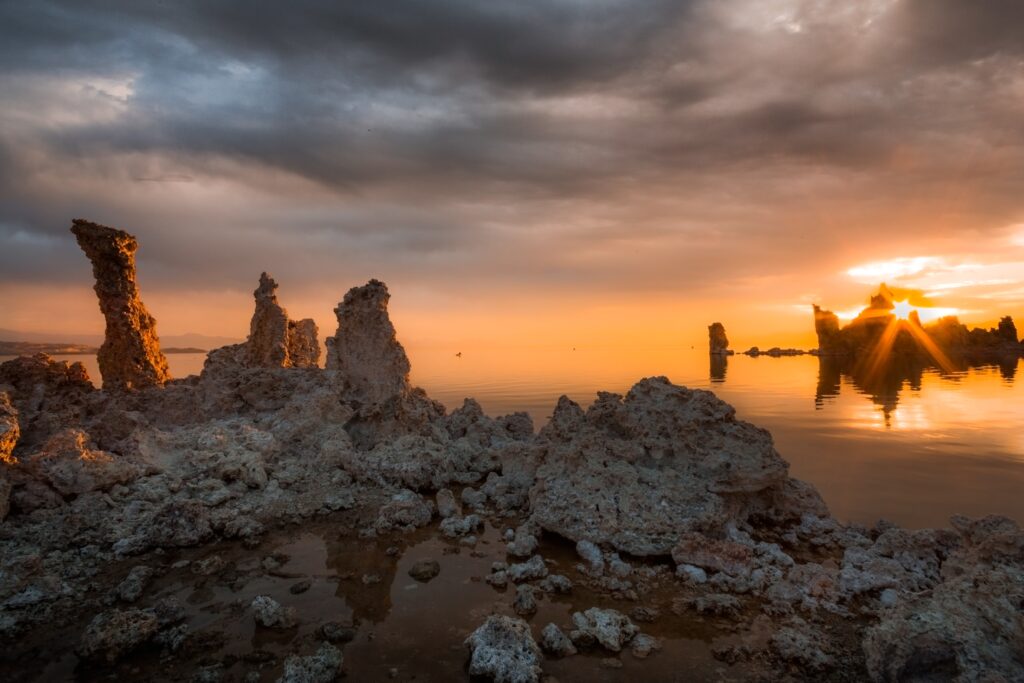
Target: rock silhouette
947, 336
130, 357
718, 342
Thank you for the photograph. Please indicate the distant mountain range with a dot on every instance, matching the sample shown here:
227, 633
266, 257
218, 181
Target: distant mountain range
15, 343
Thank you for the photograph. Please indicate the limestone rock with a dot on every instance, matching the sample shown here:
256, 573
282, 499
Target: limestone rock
609, 628
718, 342
555, 642
269, 613
322, 667
70, 464
525, 601
406, 510
365, 353
135, 583
968, 626
274, 340
425, 570
130, 357
9, 429
112, 634
48, 396
639, 472
503, 650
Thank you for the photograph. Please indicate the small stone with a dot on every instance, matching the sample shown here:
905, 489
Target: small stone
643, 645
336, 632
555, 642
525, 602
322, 667
135, 583
300, 587
532, 569
425, 570
270, 614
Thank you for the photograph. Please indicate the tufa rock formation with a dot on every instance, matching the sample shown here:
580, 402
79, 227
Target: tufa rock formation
826, 326
717, 339
639, 473
276, 341
874, 325
9, 429
130, 357
365, 352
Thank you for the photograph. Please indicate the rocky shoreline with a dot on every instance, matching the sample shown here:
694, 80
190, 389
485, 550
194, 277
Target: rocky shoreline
676, 512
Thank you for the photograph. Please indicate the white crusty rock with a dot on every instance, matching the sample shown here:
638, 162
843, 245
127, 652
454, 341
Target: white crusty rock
365, 352
130, 357
271, 614
609, 628
503, 650
532, 569
112, 634
969, 626
322, 667
638, 473
406, 510
555, 642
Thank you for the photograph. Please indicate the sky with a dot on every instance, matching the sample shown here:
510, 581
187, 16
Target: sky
544, 171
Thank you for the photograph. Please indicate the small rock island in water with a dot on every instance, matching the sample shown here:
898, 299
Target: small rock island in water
653, 514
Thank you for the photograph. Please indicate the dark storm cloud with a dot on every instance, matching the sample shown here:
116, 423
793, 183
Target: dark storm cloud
432, 137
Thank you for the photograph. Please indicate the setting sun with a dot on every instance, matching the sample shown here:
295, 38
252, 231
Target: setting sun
902, 309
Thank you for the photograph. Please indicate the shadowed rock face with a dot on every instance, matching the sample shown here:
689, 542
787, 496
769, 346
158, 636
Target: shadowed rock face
365, 352
130, 357
826, 326
717, 339
274, 340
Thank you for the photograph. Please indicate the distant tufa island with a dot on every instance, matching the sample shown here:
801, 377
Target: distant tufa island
879, 331
20, 348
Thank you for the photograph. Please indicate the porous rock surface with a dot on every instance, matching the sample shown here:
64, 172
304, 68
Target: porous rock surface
365, 352
275, 340
639, 472
130, 357
503, 649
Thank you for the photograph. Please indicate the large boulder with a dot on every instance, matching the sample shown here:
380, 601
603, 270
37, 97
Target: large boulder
130, 357
638, 473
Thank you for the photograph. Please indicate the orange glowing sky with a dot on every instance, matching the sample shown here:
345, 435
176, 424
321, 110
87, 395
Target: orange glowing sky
549, 173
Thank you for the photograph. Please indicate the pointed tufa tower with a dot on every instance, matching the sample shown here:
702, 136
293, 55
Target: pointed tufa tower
274, 339
130, 357
365, 352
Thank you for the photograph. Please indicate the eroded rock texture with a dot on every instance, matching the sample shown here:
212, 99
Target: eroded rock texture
130, 357
9, 429
274, 340
639, 472
365, 353
719, 343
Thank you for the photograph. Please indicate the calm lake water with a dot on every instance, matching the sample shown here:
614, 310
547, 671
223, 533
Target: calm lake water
914, 450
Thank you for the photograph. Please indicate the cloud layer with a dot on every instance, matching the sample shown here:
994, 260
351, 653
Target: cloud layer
751, 150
